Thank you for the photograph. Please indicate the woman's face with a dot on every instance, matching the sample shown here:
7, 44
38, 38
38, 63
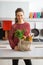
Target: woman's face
20, 16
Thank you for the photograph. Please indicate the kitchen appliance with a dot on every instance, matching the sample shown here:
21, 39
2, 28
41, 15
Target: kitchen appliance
41, 32
41, 35
35, 31
6, 27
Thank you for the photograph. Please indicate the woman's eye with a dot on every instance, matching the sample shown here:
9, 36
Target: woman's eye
18, 15
21, 15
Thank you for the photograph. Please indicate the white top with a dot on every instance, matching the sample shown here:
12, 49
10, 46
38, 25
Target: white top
35, 53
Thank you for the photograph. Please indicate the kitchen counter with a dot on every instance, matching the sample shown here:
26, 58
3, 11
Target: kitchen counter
6, 52
36, 52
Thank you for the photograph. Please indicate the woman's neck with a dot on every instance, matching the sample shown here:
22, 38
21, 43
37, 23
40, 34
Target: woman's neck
20, 22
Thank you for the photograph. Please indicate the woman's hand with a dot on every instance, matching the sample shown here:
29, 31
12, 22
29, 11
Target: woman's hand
16, 48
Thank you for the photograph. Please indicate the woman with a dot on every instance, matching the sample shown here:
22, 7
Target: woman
19, 24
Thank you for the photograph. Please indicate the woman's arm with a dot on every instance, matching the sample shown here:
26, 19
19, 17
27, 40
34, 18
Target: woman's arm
13, 41
10, 38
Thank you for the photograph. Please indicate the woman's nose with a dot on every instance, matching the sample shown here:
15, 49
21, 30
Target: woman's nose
19, 17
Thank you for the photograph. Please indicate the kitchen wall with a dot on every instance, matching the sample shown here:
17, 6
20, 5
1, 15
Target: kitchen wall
7, 9
35, 5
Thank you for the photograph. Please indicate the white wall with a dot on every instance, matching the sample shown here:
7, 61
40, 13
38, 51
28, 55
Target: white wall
35, 5
7, 9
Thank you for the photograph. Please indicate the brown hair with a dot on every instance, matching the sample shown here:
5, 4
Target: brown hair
18, 10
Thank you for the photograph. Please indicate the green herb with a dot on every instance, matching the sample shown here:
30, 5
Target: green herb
19, 33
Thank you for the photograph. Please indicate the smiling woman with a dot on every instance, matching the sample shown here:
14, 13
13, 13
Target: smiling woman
20, 25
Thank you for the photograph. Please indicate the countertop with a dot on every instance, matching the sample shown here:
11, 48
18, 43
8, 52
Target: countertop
36, 51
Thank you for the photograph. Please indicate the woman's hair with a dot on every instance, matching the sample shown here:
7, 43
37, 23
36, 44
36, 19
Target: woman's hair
18, 10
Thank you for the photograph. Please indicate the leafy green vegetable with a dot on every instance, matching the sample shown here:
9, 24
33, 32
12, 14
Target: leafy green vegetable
19, 33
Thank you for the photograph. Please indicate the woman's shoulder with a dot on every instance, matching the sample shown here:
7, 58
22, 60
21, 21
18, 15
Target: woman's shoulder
13, 25
27, 23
